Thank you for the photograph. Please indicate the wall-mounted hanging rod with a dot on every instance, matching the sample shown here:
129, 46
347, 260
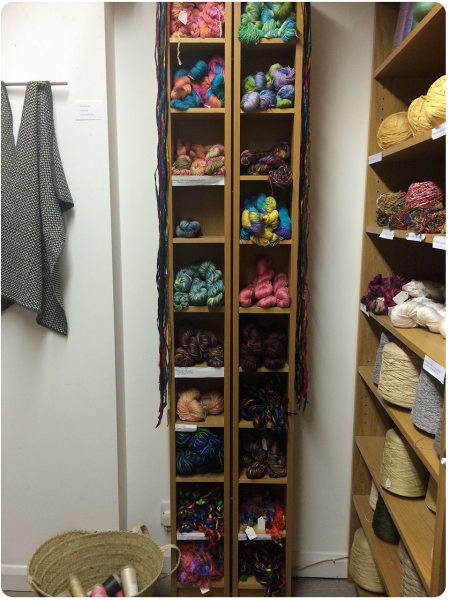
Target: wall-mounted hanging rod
51, 83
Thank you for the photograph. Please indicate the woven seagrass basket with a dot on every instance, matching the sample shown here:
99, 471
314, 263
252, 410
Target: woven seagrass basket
95, 555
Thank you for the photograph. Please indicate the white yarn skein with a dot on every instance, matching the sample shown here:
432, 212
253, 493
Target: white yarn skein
428, 316
427, 289
404, 315
443, 329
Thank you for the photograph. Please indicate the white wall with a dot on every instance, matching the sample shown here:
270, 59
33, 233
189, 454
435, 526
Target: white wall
342, 36
59, 442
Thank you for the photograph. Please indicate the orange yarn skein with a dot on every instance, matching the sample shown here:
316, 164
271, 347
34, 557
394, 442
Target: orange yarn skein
189, 407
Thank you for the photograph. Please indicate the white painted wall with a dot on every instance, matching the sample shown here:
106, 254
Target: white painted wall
342, 37
59, 442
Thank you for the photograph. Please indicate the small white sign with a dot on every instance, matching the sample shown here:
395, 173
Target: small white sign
182, 427
204, 590
196, 180
388, 483
191, 535
261, 524
250, 533
400, 298
364, 309
88, 110
439, 242
439, 131
264, 443
260, 536
375, 158
183, 16
199, 372
434, 368
387, 234
415, 237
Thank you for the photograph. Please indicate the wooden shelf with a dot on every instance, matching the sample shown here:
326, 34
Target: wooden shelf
264, 480
421, 53
401, 234
269, 111
284, 242
414, 521
420, 442
208, 421
198, 309
422, 147
419, 340
198, 111
254, 177
259, 531
385, 554
259, 309
243, 424
284, 369
251, 584
214, 585
200, 478
206, 239
176, 40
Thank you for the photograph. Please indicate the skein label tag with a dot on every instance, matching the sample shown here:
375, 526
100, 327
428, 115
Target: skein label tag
388, 483
183, 16
250, 533
264, 443
179, 180
199, 372
400, 298
439, 242
387, 234
375, 158
364, 309
204, 590
438, 132
433, 368
182, 427
262, 523
415, 237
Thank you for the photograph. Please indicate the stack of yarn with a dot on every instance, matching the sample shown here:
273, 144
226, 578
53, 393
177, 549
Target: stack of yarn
194, 406
200, 508
197, 345
272, 163
264, 404
265, 221
381, 291
199, 451
197, 160
256, 502
201, 85
200, 565
260, 347
274, 89
197, 19
409, 16
425, 307
267, 20
264, 561
270, 288
198, 285
424, 113
187, 228
261, 453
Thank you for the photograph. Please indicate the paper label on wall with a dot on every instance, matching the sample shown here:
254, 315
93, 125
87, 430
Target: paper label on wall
375, 158
262, 523
415, 237
433, 368
183, 16
388, 483
179, 180
201, 372
400, 298
88, 110
439, 242
387, 234
250, 533
364, 309
183, 427
438, 132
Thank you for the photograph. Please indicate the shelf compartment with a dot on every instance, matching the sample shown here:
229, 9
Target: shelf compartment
259, 309
419, 53
402, 419
414, 521
284, 369
422, 147
401, 234
385, 554
251, 584
264, 480
421, 341
206, 239
200, 478
262, 535
209, 421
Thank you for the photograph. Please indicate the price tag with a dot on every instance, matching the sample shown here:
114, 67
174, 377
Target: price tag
415, 237
182, 427
250, 533
183, 16
439, 242
388, 483
204, 590
438, 132
375, 158
433, 368
196, 180
364, 309
262, 524
199, 372
387, 234
264, 443
191, 535
400, 298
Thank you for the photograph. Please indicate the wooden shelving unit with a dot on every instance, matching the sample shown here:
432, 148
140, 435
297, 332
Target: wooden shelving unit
398, 78
262, 129
211, 206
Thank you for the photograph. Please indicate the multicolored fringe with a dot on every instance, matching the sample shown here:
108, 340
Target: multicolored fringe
301, 374
161, 184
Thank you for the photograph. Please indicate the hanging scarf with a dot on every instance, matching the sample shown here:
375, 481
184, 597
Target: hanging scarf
34, 196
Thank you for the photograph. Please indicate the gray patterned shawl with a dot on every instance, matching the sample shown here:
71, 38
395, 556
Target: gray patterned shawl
34, 196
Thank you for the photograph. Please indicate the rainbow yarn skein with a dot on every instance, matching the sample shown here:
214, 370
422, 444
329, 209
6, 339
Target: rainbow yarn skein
275, 89
264, 561
198, 285
264, 220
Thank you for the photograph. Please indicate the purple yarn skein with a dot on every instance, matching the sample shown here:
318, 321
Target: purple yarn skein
286, 92
260, 81
251, 102
283, 232
283, 76
268, 99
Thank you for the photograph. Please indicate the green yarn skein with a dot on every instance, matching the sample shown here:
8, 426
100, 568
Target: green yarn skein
421, 9
269, 74
248, 84
214, 167
283, 12
270, 29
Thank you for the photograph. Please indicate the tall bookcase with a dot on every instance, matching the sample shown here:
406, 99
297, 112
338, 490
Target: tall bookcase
262, 130
211, 206
398, 78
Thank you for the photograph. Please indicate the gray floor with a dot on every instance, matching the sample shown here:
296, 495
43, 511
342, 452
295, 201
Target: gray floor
302, 587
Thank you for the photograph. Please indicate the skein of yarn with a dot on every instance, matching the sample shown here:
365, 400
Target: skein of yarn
393, 130
428, 403
200, 451
412, 587
200, 508
200, 565
428, 316
362, 567
187, 228
265, 562
399, 375
258, 90
197, 19
401, 471
259, 502
427, 112
382, 523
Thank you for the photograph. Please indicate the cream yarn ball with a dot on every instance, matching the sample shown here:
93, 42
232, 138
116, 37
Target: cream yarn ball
428, 316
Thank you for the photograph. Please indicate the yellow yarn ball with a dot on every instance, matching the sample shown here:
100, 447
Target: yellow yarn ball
393, 130
428, 111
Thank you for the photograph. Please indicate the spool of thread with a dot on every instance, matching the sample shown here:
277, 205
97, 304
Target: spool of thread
431, 496
362, 566
113, 584
128, 578
401, 550
373, 496
76, 588
401, 471
412, 587
437, 437
382, 523
428, 403
385, 338
399, 375
98, 591
393, 130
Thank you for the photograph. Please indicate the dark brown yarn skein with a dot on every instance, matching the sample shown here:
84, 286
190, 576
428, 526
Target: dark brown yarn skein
382, 523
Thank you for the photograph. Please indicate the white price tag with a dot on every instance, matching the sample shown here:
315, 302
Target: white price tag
364, 309
439, 242
400, 298
183, 16
88, 110
375, 158
182, 427
387, 234
196, 180
439, 131
388, 483
261, 524
250, 533
204, 590
199, 372
433, 368
415, 237
264, 443
191, 535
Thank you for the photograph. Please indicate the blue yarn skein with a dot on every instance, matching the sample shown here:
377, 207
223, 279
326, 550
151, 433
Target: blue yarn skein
187, 228
268, 99
193, 100
181, 72
286, 92
260, 81
266, 15
199, 71
287, 31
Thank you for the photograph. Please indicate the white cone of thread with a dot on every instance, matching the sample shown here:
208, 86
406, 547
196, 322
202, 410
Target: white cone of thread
399, 375
431, 497
373, 496
362, 566
401, 471
412, 587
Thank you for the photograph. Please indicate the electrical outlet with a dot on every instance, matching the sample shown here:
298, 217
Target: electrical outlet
165, 513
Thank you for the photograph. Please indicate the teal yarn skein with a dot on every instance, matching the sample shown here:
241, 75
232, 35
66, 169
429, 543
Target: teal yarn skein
200, 284
268, 20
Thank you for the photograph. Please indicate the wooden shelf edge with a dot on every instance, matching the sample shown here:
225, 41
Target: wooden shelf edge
214, 584
362, 593
260, 309
284, 242
217, 239
254, 177
284, 369
415, 148
201, 309
197, 111
400, 234
176, 40
269, 111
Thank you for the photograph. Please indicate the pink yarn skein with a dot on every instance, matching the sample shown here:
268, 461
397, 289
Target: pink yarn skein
267, 302
262, 288
283, 297
246, 296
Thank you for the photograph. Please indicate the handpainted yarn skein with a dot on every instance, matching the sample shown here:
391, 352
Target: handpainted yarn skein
201, 284
256, 502
260, 347
197, 345
199, 565
264, 403
187, 228
425, 195
199, 452
267, 20
200, 508
203, 19
264, 561
388, 204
